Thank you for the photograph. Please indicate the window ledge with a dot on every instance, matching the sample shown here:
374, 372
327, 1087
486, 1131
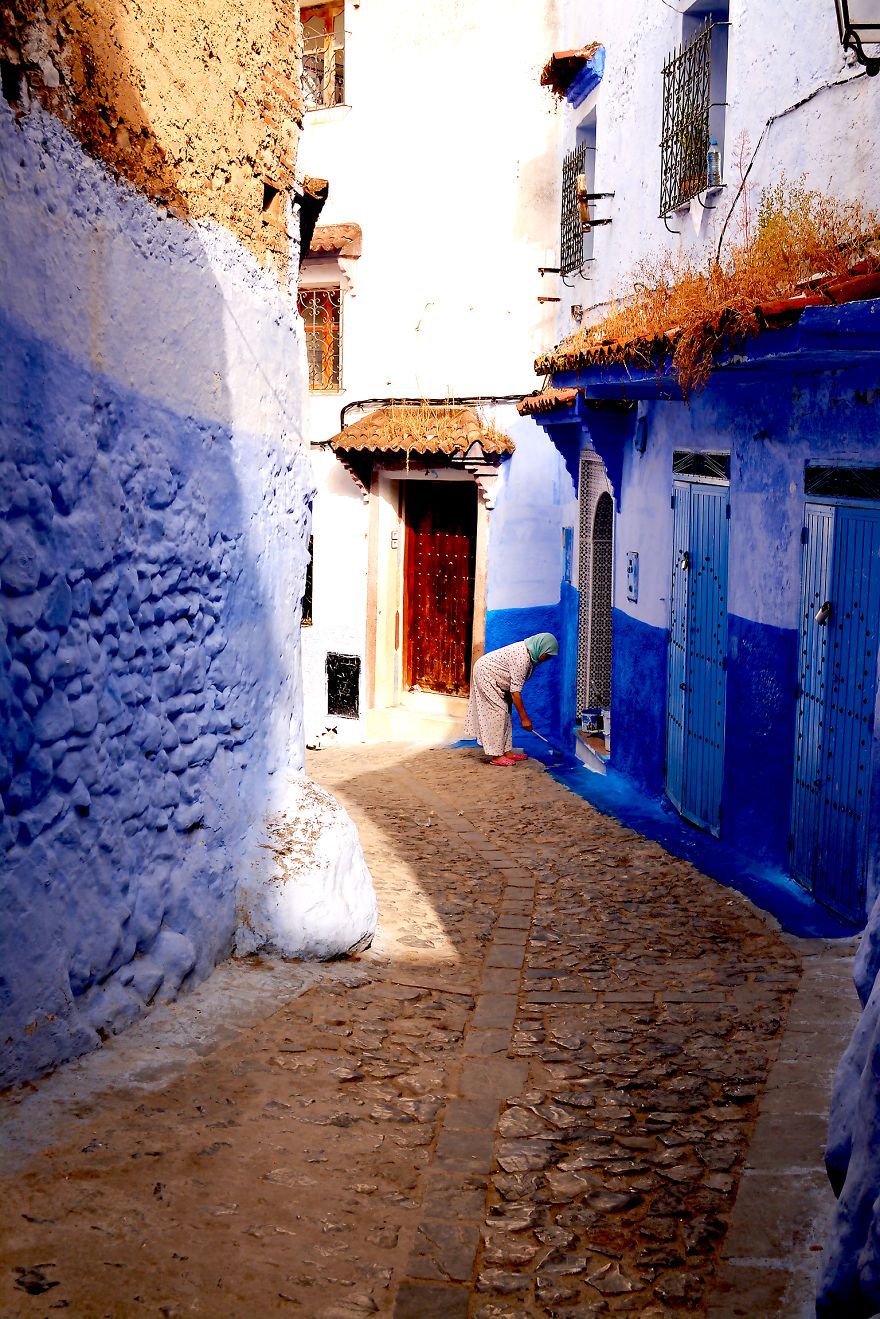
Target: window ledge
325, 114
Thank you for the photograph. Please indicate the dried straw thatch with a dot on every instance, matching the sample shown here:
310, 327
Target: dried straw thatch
807, 249
421, 428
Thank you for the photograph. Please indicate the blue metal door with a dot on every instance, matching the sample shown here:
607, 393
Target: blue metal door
837, 679
696, 681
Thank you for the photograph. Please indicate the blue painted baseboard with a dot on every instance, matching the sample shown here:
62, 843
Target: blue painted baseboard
549, 693
638, 700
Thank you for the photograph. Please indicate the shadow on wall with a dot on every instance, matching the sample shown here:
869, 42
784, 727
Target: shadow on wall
146, 678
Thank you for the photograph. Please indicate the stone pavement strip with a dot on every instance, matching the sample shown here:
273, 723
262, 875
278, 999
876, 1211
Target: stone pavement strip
534, 1096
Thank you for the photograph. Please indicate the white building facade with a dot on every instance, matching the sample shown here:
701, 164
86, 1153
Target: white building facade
440, 148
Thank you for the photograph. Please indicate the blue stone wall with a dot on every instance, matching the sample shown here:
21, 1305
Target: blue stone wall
152, 554
849, 1285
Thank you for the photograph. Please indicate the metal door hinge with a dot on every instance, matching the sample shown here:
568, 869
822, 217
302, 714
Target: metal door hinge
728, 512
805, 535
672, 502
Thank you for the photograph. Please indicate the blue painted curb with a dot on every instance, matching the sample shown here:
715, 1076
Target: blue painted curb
769, 888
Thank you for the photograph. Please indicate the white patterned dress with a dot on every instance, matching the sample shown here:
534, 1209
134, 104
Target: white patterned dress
493, 677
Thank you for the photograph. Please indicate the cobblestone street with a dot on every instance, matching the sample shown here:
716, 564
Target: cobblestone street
533, 1096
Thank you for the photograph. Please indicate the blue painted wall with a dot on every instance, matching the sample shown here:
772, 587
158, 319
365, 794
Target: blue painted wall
771, 434
760, 741
525, 592
638, 700
152, 554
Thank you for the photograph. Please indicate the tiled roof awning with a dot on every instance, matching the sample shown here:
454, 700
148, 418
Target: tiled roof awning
426, 428
731, 328
546, 400
574, 73
336, 240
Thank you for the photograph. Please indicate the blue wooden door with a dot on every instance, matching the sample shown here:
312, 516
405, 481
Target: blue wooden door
696, 673
837, 679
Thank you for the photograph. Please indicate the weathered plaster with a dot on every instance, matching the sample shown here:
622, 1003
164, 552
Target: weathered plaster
152, 557
195, 103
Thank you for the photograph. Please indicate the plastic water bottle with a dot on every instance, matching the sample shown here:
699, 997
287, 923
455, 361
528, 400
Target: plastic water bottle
713, 166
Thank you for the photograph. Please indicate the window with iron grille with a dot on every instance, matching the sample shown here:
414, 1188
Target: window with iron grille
323, 59
321, 313
307, 592
684, 142
571, 233
343, 685
705, 466
842, 482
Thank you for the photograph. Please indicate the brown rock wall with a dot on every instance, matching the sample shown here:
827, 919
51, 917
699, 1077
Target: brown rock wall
195, 102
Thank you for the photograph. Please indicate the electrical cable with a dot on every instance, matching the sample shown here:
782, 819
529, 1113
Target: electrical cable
826, 86
470, 400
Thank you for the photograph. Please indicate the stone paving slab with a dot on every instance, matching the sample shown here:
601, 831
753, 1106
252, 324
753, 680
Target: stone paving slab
534, 1096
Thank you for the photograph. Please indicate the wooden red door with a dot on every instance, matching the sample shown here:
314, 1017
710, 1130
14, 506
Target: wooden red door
439, 559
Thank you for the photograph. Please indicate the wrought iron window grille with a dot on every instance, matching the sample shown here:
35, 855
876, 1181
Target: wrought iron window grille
307, 591
842, 482
702, 466
323, 57
576, 217
343, 685
321, 311
684, 140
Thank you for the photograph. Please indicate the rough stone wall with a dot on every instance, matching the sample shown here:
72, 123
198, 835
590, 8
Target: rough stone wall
196, 103
155, 506
850, 1284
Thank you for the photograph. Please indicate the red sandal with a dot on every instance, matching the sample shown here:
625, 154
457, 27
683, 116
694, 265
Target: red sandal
516, 755
503, 760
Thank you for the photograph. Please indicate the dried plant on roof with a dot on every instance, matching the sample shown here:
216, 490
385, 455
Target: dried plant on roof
683, 307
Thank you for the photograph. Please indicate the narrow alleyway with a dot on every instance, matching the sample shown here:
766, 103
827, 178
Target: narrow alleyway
533, 1096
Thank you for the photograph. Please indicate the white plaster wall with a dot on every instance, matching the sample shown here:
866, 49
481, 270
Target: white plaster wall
340, 526
446, 154
535, 499
776, 57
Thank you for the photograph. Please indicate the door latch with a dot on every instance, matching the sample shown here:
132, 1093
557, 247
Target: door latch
685, 562
823, 613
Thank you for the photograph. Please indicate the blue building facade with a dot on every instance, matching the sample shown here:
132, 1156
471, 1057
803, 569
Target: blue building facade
746, 595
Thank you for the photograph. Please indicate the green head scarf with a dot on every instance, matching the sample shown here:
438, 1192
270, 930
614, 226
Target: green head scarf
542, 643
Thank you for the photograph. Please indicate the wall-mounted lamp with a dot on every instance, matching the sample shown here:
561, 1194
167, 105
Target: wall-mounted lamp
859, 24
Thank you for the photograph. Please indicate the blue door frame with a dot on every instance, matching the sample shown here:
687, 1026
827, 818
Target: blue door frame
696, 672
837, 681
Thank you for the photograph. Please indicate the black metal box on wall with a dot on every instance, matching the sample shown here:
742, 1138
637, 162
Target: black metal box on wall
343, 685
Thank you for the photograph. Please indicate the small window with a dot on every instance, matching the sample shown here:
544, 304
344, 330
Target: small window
307, 592
343, 685
571, 232
843, 482
321, 313
704, 466
694, 97
323, 60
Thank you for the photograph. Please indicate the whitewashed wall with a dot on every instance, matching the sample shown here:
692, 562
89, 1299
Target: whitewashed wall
446, 154
154, 489
776, 57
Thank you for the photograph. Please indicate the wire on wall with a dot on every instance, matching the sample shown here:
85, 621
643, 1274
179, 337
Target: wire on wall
841, 82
